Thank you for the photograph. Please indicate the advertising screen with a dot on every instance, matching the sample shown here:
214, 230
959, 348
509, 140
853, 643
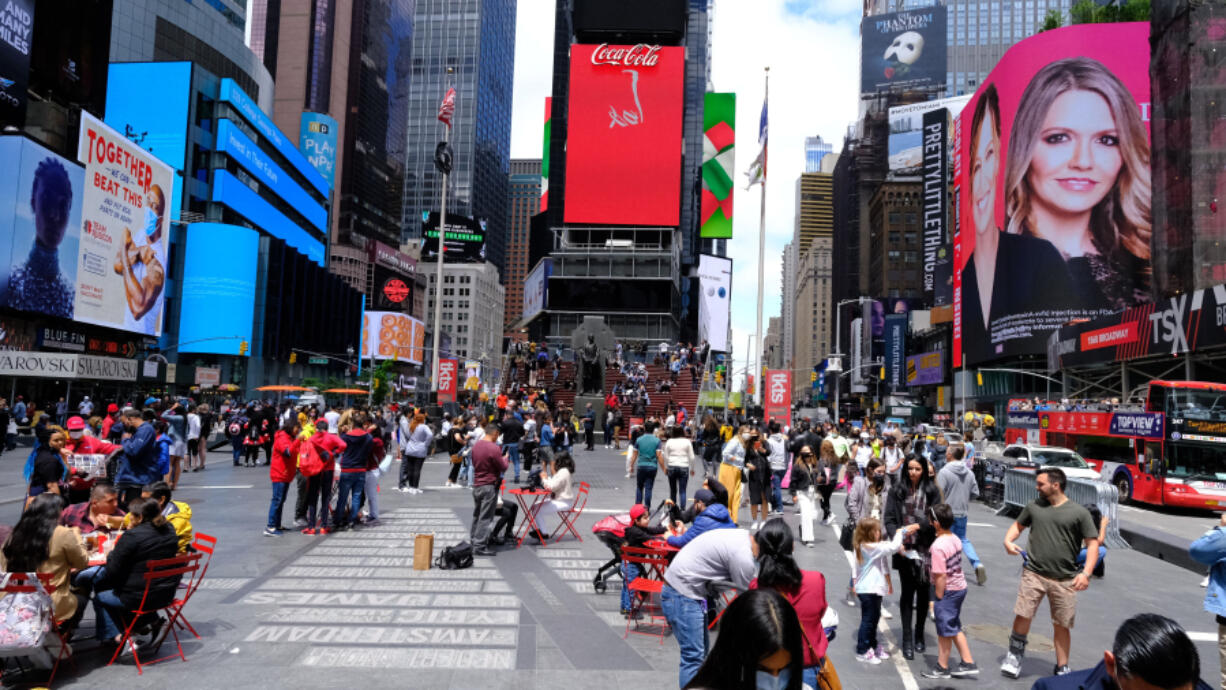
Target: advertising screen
718, 164
125, 228
232, 142
714, 301
1052, 190
906, 143
41, 197
219, 277
895, 349
392, 290
158, 125
903, 50
230, 191
623, 142
16, 32
387, 334
545, 154
536, 288
925, 369
464, 239
317, 139
231, 93
938, 241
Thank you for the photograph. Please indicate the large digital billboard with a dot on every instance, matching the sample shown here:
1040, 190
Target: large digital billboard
714, 300
906, 140
41, 196
1052, 190
232, 142
387, 335
463, 240
718, 164
623, 142
536, 289
219, 279
317, 139
903, 50
16, 34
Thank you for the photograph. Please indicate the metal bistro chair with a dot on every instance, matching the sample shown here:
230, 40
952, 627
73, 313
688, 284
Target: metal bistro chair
645, 590
176, 568
567, 518
203, 544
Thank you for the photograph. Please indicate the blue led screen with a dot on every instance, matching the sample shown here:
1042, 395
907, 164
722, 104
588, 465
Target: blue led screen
231, 93
218, 295
231, 140
228, 190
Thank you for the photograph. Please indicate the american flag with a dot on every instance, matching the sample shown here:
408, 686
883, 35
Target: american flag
446, 109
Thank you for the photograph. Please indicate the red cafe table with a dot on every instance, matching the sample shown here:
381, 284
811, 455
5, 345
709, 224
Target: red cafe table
528, 525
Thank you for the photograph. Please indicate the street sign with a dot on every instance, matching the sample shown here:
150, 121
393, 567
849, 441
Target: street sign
317, 360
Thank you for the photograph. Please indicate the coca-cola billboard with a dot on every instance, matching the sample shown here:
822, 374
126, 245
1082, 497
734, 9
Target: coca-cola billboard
777, 395
447, 380
623, 143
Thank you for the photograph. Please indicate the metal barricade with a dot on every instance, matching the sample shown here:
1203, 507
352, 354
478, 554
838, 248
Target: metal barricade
1020, 490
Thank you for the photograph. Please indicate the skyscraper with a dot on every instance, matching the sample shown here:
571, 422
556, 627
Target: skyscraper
475, 39
815, 150
524, 202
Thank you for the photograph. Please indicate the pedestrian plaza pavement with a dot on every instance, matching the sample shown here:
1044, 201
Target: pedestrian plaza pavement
347, 609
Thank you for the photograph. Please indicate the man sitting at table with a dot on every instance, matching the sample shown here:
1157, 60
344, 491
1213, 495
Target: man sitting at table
714, 517
177, 513
101, 513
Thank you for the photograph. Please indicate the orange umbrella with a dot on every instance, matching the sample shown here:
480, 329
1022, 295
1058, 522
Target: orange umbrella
347, 391
281, 389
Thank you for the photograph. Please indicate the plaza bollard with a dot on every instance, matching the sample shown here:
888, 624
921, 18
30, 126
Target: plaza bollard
1020, 490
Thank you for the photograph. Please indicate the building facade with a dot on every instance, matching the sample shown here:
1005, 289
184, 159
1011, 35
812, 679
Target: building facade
475, 40
788, 302
524, 202
474, 305
812, 332
815, 150
772, 344
895, 266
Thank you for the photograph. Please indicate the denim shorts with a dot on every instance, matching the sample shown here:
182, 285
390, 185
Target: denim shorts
948, 612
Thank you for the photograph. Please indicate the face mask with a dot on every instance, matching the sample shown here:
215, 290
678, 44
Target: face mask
745, 436
151, 222
75, 434
765, 681
878, 479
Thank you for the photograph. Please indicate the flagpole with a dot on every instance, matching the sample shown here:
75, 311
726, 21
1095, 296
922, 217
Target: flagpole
757, 355
438, 274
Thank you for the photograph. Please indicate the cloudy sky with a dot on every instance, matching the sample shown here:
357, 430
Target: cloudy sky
812, 49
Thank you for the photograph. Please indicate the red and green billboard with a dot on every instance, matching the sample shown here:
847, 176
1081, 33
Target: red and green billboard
545, 154
718, 150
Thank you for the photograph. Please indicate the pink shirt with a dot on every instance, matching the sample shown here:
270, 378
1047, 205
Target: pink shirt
946, 555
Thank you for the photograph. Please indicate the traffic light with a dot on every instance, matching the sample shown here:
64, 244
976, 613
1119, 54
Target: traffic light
882, 374
242, 348
293, 358
812, 377
979, 378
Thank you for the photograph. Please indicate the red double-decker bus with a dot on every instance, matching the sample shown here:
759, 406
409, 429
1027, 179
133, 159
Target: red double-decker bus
1171, 451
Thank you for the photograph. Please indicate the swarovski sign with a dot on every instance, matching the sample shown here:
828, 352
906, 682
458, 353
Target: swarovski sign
640, 55
66, 366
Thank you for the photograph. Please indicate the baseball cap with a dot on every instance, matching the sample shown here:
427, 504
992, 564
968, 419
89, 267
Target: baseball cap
112, 408
706, 496
75, 424
638, 511
321, 423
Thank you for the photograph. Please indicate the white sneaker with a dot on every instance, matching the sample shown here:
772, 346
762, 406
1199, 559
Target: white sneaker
830, 520
1012, 665
868, 657
448, 485
885, 613
755, 525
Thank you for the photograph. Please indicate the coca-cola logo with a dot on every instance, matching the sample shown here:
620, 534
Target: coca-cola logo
639, 55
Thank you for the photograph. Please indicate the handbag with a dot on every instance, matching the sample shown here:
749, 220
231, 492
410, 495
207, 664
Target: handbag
25, 620
787, 477
846, 533
386, 464
827, 677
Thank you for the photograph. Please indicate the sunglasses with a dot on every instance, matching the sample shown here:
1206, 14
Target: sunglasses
806, 455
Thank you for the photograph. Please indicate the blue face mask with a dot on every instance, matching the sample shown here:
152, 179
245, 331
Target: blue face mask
765, 681
151, 222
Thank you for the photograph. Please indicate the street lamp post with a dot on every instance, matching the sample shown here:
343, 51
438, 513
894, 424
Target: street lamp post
838, 333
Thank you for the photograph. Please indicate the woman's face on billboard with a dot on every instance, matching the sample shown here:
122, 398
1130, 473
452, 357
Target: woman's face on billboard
1077, 157
985, 169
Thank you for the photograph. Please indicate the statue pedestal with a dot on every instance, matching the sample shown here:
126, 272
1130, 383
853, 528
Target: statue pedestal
597, 401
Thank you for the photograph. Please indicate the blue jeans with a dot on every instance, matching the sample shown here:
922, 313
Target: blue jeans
109, 613
688, 619
645, 479
512, 452
809, 677
629, 572
870, 612
279, 490
1081, 557
777, 488
236, 444
84, 580
349, 482
959, 530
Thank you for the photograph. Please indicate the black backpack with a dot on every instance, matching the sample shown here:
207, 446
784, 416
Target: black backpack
455, 557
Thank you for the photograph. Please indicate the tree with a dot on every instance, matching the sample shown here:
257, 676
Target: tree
1090, 12
1053, 20
380, 376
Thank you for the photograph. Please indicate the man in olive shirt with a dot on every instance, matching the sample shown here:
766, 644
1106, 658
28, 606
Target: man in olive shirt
1058, 528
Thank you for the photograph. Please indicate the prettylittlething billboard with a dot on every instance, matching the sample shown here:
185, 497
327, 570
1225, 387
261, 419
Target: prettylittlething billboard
1052, 190
623, 143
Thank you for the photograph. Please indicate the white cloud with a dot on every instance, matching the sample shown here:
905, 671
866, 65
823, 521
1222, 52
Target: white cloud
812, 48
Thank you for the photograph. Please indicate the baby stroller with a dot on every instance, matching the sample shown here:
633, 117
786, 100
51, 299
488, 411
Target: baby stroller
611, 531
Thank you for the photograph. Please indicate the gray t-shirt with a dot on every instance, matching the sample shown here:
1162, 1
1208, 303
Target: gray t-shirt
1057, 535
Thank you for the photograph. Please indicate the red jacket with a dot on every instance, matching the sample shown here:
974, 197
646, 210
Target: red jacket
284, 458
331, 443
809, 600
89, 445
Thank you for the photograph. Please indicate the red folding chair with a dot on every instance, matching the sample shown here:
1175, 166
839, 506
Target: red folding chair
567, 518
19, 583
645, 591
203, 544
155, 571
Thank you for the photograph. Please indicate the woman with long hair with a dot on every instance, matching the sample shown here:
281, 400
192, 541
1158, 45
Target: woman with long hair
39, 544
1078, 176
907, 504
828, 462
711, 442
803, 487
760, 644
561, 484
805, 590
48, 469
731, 467
419, 437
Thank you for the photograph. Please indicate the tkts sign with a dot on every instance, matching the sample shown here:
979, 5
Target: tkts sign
641, 55
447, 380
778, 394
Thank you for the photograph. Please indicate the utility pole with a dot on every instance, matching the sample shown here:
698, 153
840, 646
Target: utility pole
442, 250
